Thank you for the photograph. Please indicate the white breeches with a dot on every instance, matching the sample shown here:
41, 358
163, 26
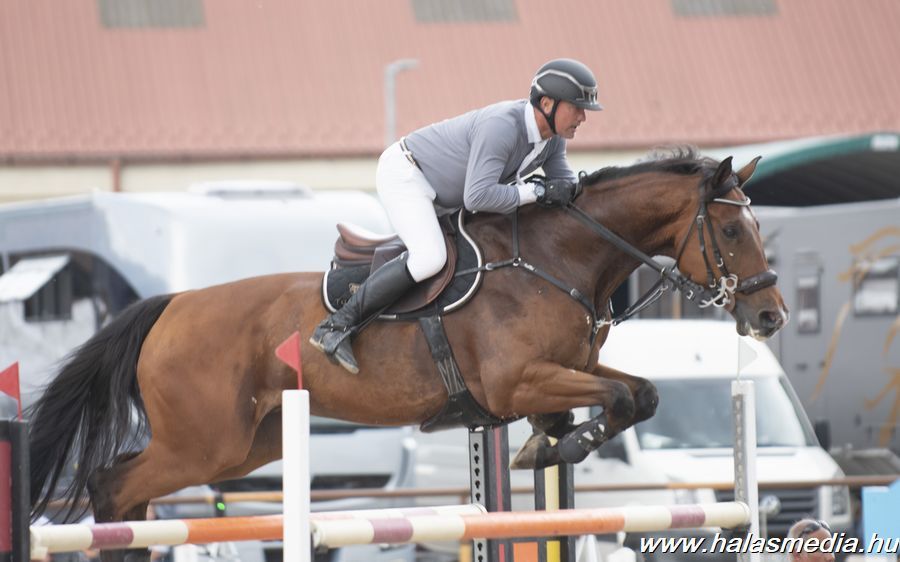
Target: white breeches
408, 199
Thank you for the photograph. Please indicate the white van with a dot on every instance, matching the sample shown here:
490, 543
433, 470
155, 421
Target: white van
692, 363
690, 438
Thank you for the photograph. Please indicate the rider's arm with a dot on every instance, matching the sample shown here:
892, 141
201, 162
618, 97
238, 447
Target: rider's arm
493, 145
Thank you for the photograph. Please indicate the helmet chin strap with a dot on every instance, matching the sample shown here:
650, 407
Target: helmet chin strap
550, 117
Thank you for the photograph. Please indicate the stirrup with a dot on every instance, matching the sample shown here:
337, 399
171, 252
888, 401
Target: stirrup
343, 356
335, 343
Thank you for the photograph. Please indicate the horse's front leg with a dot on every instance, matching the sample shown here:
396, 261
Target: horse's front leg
579, 443
546, 391
625, 400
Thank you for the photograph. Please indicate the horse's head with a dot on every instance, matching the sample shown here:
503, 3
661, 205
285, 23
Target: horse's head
722, 249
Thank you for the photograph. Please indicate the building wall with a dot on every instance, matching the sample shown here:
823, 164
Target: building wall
22, 182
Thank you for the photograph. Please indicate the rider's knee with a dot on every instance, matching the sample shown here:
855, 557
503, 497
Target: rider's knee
425, 265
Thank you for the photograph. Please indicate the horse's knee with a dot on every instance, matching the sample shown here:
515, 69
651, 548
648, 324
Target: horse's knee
622, 406
646, 398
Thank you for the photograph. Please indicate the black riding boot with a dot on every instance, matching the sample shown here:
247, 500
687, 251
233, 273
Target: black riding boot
380, 290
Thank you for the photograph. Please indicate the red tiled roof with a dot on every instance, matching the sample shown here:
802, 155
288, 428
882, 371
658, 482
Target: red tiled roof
305, 78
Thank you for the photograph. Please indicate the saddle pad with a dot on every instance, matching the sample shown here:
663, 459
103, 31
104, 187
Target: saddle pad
339, 284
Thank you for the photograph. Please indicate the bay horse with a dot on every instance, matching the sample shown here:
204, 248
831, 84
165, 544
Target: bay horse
198, 368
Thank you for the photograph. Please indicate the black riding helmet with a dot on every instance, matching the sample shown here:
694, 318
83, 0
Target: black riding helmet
564, 80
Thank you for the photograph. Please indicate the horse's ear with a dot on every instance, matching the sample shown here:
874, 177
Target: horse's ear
746, 172
721, 182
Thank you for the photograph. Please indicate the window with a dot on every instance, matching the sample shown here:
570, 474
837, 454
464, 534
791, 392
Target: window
151, 13
53, 301
808, 304
50, 284
718, 8
807, 308
43, 283
697, 414
877, 291
445, 11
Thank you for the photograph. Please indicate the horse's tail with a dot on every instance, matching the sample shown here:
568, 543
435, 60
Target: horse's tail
89, 405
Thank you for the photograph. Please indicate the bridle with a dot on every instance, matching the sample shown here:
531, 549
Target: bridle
718, 292
728, 283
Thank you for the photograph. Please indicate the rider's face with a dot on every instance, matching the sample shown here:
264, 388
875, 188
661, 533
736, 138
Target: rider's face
568, 118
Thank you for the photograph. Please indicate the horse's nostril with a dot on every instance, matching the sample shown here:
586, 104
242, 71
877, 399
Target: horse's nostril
770, 319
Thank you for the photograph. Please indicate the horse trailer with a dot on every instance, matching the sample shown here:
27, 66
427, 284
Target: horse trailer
67, 266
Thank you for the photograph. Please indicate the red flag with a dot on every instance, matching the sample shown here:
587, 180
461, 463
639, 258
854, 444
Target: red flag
9, 384
289, 352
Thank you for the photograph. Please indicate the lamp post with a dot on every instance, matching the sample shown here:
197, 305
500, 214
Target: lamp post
390, 94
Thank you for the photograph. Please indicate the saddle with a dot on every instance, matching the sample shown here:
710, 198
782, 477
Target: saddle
358, 253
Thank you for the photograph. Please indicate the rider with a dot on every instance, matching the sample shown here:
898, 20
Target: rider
478, 161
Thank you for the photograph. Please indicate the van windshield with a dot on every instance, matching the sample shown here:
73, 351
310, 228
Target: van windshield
319, 424
696, 414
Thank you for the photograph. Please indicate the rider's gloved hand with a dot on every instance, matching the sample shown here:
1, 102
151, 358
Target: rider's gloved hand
556, 193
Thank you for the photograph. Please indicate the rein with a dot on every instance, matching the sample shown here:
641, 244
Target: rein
519, 262
718, 294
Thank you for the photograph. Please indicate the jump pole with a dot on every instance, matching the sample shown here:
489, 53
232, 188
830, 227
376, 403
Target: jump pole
295, 458
141, 534
527, 524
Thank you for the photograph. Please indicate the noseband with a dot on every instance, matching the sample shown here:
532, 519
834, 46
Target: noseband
728, 283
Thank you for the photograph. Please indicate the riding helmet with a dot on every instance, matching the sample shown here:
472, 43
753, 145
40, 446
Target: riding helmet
565, 80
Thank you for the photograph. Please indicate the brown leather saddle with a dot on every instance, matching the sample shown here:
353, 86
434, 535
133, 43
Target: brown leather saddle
358, 252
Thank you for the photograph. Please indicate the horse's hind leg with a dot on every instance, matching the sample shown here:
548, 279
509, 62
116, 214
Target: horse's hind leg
265, 449
123, 490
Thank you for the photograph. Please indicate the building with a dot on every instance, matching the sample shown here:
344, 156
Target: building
146, 95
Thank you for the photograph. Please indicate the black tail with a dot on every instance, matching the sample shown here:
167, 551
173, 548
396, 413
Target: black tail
89, 405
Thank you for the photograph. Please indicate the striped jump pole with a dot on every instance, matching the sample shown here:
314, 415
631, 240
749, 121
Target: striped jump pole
170, 532
517, 524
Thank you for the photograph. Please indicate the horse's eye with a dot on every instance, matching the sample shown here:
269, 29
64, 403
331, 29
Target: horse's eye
730, 231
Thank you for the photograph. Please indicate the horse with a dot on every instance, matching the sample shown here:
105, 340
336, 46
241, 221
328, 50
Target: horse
198, 370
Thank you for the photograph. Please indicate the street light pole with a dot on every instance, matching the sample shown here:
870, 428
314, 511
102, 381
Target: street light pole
390, 96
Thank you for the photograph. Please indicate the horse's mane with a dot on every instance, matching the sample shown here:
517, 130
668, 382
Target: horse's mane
681, 160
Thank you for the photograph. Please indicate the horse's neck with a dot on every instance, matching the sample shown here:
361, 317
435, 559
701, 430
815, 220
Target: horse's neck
643, 210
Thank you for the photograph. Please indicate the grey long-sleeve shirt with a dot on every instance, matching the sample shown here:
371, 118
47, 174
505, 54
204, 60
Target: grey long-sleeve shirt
471, 160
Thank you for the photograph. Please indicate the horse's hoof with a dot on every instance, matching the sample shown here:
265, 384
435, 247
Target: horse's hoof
535, 454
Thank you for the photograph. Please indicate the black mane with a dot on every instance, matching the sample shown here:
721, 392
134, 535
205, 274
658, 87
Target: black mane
682, 160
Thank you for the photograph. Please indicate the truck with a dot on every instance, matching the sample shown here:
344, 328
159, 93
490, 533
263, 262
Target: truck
839, 266
69, 265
